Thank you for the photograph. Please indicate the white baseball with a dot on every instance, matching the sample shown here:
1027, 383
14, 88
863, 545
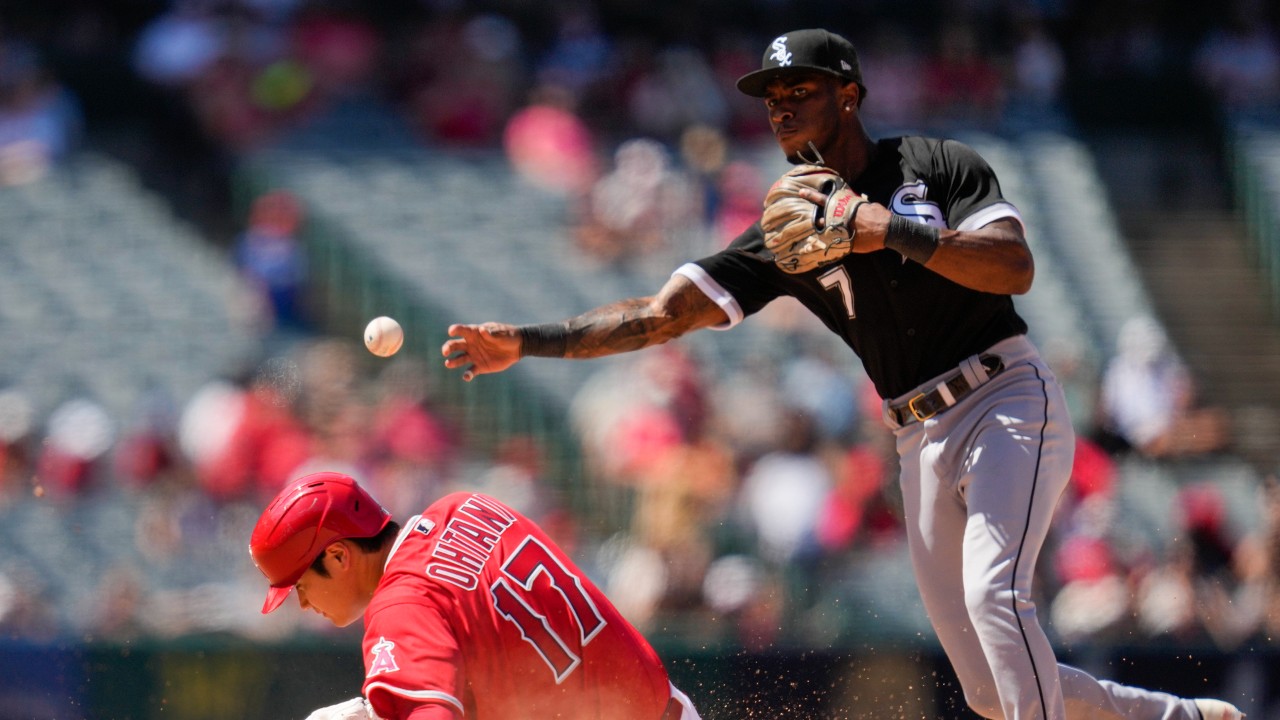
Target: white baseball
383, 336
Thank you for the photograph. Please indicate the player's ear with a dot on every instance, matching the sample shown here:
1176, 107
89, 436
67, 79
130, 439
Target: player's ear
850, 97
339, 556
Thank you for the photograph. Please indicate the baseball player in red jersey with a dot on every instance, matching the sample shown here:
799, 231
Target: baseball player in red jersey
470, 610
913, 263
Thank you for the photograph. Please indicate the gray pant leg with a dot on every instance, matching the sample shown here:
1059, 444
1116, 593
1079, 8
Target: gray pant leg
980, 484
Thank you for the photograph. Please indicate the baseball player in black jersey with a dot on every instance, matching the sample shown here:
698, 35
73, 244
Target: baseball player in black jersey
913, 264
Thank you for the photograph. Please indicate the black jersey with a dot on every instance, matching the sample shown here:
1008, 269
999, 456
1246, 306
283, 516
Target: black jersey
906, 323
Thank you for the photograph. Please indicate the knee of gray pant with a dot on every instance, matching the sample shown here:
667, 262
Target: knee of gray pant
987, 603
984, 701
980, 599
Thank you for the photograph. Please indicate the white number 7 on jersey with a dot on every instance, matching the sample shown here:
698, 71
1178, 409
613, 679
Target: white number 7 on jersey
837, 278
524, 566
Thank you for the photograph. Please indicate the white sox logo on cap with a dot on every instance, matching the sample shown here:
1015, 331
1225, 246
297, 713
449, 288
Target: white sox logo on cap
794, 51
780, 52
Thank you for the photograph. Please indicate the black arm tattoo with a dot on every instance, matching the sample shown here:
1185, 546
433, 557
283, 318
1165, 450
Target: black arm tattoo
639, 323
616, 328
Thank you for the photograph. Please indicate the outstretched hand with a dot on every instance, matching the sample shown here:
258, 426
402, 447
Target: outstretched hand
481, 349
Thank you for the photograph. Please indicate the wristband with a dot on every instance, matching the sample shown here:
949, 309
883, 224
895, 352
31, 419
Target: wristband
913, 240
546, 340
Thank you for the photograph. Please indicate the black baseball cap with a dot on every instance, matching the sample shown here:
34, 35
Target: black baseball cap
811, 49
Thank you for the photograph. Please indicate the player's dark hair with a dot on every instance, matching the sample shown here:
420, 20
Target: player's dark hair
367, 544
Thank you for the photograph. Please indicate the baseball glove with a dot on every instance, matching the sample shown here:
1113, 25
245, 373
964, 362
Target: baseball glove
801, 234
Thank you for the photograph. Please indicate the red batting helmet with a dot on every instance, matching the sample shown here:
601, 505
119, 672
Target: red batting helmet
309, 514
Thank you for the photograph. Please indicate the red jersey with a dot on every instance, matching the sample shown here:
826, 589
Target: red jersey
478, 609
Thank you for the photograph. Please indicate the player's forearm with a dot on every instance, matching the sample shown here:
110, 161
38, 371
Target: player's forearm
992, 259
620, 327
680, 307
985, 260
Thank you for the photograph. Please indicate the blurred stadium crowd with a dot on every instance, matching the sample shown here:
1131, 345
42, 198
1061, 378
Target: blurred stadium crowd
751, 504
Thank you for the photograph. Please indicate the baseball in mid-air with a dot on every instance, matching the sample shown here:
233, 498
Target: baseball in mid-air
383, 336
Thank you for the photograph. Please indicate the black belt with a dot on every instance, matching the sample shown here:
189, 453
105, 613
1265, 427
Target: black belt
931, 402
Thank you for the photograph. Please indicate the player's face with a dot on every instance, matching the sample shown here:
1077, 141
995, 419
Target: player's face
335, 597
803, 108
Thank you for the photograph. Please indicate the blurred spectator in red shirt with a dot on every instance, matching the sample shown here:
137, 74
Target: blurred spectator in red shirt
549, 145
255, 440
462, 78
856, 511
1174, 597
1253, 609
741, 189
147, 450
340, 50
1093, 600
962, 85
80, 434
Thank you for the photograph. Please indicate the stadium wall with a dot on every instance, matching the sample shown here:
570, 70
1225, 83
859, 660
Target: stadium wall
199, 680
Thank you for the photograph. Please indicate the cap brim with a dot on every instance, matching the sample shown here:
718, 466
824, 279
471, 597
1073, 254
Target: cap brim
755, 83
275, 598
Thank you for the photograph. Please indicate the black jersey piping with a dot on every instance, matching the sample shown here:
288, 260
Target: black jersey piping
1013, 582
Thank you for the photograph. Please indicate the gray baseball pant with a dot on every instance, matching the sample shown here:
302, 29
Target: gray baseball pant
980, 482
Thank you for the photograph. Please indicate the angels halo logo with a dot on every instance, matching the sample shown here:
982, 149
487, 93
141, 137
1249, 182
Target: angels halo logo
383, 661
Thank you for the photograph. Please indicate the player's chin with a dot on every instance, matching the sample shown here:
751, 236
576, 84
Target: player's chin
344, 619
342, 622
792, 147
